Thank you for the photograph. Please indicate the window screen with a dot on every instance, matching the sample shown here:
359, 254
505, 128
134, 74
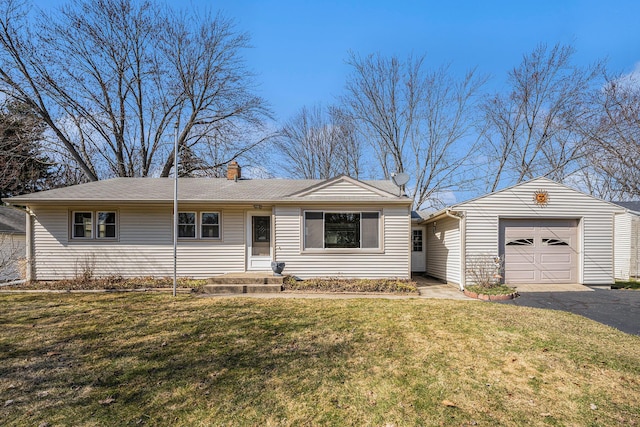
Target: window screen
187, 224
82, 225
210, 228
106, 225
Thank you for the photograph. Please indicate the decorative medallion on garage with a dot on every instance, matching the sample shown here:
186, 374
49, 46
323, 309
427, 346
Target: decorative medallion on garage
541, 198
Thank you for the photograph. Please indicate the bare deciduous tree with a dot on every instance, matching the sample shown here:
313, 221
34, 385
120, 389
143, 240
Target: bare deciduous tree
111, 77
12, 252
612, 166
533, 129
417, 121
320, 145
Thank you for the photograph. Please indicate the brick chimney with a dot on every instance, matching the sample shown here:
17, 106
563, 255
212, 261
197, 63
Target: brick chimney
234, 171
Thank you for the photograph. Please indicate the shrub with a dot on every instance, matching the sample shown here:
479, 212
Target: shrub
332, 284
113, 283
486, 270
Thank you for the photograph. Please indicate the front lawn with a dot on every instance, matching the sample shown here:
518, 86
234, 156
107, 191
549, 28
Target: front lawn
151, 359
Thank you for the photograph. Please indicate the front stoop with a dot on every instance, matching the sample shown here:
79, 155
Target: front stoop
248, 283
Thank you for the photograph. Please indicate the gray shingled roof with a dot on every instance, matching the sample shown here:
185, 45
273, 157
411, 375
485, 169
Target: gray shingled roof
191, 190
634, 206
12, 221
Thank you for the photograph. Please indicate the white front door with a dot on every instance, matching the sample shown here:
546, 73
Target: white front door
418, 250
259, 248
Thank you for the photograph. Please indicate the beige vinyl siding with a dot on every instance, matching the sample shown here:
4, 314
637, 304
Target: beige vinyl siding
595, 216
393, 261
144, 246
342, 189
622, 251
443, 249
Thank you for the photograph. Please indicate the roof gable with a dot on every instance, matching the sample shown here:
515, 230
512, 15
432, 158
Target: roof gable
342, 186
541, 183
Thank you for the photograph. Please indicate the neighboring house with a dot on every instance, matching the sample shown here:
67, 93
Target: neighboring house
124, 226
12, 242
627, 238
545, 232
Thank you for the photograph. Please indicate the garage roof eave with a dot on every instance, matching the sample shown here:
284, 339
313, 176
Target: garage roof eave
446, 212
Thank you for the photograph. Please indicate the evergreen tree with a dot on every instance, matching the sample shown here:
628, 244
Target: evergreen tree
23, 167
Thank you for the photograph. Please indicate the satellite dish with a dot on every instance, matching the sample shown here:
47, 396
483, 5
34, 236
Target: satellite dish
400, 179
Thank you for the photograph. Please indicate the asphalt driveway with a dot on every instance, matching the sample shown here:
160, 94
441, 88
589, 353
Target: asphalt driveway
614, 307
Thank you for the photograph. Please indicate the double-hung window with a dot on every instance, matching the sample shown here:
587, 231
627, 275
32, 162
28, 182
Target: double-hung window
341, 230
86, 225
210, 225
199, 225
106, 225
187, 225
82, 225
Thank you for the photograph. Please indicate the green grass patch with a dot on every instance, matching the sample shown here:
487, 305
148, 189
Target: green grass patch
393, 286
152, 359
491, 290
626, 284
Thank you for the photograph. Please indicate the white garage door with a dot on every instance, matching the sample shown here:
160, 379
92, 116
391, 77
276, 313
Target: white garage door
540, 251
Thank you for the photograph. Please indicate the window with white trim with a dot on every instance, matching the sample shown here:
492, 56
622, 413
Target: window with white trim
341, 230
210, 225
187, 225
82, 225
93, 225
106, 227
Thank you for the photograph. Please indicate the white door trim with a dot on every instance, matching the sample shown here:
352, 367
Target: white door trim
256, 262
419, 259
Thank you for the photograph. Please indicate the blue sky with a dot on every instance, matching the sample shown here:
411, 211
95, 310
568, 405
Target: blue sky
299, 47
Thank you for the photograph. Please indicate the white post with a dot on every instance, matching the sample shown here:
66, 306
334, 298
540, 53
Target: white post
29, 247
175, 211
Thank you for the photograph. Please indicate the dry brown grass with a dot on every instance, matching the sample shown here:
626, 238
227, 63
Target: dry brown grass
152, 359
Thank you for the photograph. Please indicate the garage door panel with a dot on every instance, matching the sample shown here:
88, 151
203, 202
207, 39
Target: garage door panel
523, 276
556, 259
556, 276
540, 251
519, 258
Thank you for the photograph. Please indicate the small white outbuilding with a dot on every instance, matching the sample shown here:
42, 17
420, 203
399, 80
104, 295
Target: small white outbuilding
541, 231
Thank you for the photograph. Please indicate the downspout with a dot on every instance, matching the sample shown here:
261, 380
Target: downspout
463, 265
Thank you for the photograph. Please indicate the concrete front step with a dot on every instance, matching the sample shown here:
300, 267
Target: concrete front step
242, 289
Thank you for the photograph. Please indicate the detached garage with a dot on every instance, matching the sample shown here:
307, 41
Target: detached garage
544, 233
